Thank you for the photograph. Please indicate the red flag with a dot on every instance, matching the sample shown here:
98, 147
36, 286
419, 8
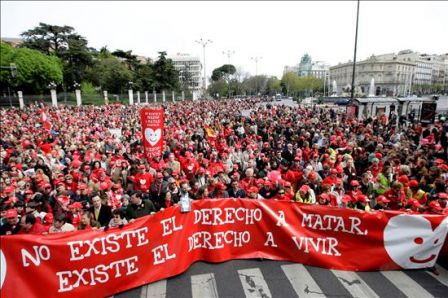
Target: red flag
152, 131
44, 119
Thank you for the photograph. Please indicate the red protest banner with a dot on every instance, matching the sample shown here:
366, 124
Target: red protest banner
152, 130
98, 263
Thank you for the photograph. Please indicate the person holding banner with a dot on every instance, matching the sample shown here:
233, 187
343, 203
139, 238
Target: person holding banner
139, 207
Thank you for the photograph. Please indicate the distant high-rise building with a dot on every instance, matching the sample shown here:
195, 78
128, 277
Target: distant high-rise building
189, 68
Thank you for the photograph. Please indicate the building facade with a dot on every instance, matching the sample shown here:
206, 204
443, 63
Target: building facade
308, 67
399, 74
390, 77
189, 68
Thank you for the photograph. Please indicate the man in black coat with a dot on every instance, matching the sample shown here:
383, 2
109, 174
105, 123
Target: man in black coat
101, 213
139, 207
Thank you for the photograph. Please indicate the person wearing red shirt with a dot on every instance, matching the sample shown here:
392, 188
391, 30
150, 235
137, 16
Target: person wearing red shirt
143, 180
31, 226
396, 196
331, 179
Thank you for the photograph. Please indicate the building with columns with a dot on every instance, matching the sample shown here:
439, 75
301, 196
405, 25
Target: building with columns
394, 74
391, 77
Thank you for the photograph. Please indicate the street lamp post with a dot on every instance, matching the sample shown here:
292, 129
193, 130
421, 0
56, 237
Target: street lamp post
204, 43
131, 93
228, 53
54, 100
256, 59
76, 85
354, 58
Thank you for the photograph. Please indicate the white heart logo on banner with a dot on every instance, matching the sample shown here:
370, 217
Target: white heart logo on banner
2, 268
411, 242
153, 136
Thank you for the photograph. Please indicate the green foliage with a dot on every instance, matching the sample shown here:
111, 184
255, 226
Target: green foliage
218, 87
63, 42
34, 69
110, 74
305, 86
273, 86
88, 88
166, 77
223, 72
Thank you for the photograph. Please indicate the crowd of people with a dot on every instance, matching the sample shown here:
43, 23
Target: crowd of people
65, 169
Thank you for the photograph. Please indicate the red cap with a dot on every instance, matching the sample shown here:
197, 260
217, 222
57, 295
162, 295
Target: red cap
159, 175
354, 183
304, 188
439, 161
443, 195
253, 189
333, 171
346, 199
46, 185
48, 218
103, 186
378, 155
403, 179
382, 199
220, 186
260, 181
435, 205
11, 213
362, 198
414, 202
413, 183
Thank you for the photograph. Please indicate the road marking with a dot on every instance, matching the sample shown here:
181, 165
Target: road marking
356, 286
442, 277
154, 290
406, 284
204, 285
302, 281
253, 283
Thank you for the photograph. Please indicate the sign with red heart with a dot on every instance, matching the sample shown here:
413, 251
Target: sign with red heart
152, 131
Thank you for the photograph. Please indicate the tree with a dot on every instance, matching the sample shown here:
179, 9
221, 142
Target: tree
166, 77
34, 69
224, 71
110, 74
47, 38
273, 86
218, 87
290, 83
66, 44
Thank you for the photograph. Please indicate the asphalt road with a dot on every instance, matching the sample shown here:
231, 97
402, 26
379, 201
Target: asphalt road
256, 278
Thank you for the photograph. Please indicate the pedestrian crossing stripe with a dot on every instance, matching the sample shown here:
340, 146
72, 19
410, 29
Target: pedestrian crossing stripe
301, 280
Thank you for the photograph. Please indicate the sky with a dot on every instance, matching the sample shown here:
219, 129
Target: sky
280, 32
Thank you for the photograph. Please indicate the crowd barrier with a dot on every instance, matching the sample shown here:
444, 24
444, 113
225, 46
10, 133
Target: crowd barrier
102, 263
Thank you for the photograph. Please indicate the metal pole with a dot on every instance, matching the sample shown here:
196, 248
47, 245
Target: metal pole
354, 56
204, 43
